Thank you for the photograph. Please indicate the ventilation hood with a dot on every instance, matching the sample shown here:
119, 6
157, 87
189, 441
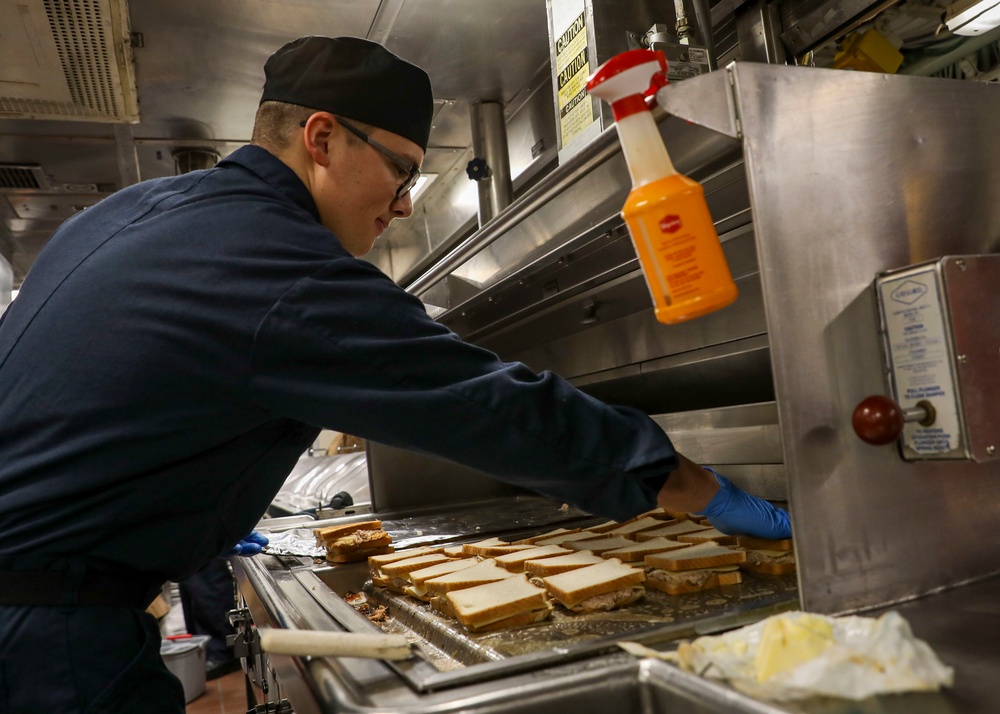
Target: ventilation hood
67, 60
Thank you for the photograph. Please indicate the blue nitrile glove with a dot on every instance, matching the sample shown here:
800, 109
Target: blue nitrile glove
249, 545
736, 512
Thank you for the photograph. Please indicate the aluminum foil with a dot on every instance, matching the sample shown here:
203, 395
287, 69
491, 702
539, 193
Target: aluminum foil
299, 541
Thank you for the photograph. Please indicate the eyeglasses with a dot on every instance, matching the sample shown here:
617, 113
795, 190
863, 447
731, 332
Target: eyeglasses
411, 170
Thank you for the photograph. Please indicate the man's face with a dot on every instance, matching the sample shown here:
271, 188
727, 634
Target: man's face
356, 190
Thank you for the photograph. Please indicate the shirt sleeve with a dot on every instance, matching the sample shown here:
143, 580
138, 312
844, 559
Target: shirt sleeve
349, 350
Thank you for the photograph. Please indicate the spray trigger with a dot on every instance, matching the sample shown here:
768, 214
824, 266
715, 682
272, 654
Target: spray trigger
657, 82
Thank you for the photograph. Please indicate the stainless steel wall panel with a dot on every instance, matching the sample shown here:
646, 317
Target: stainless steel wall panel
744, 442
637, 337
840, 194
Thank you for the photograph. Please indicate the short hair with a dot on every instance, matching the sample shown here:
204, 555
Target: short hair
278, 123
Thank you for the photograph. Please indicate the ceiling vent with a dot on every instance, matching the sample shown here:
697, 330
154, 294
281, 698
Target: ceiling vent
67, 59
22, 177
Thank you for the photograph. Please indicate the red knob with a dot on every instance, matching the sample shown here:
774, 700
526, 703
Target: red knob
878, 420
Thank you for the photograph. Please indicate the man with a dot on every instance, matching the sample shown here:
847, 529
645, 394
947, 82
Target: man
178, 346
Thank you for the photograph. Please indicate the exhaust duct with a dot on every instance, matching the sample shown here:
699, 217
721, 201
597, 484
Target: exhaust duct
67, 60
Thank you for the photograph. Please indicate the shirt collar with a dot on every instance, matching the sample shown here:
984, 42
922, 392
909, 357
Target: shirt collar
275, 172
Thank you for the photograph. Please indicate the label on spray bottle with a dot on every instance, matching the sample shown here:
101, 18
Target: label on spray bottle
678, 249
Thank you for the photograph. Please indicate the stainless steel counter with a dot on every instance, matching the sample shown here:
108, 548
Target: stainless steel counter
584, 671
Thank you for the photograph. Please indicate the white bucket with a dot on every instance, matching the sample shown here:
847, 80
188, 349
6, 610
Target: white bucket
186, 660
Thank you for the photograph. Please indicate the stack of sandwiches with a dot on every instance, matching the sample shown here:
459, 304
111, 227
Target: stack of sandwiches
698, 567
415, 584
514, 562
561, 563
483, 572
708, 534
375, 562
353, 541
396, 575
767, 557
492, 584
595, 588
510, 602
636, 552
671, 530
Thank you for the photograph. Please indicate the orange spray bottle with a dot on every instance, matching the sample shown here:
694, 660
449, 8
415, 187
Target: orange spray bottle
666, 213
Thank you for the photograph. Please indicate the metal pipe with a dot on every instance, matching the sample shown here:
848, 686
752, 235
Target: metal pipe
489, 142
929, 65
704, 30
758, 28
682, 27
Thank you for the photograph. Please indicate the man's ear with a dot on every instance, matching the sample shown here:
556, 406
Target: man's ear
317, 137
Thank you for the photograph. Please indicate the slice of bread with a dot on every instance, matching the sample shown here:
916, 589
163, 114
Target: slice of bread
378, 561
452, 565
599, 545
532, 540
671, 531
637, 551
660, 514
514, 562
485, 572
528, 617
561, 563
752, 543
331, 533
692, 581
568, 538
629, 530
702, 555
576, 586
360, 554
414, 582
454, 551
711, 534
503, 603
769, 568
490, 547
604, 527
408, 565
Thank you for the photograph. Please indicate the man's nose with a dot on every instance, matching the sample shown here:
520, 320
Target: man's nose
402, 207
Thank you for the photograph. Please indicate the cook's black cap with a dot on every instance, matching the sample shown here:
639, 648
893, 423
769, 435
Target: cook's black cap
353, 78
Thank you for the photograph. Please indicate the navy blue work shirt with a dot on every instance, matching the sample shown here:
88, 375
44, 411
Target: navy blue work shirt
176, 348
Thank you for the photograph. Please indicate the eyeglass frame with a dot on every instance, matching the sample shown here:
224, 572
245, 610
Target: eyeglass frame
411, 169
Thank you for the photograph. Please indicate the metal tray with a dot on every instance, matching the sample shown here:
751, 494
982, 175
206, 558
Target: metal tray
448, 655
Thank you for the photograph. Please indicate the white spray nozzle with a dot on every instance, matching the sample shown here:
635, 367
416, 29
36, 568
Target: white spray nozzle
626, 79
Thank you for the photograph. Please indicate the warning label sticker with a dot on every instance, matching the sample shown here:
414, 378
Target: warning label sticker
576, 108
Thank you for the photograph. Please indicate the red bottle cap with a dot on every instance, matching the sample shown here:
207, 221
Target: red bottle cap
627, 79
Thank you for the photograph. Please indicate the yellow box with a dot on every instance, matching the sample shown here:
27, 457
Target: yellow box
868, 52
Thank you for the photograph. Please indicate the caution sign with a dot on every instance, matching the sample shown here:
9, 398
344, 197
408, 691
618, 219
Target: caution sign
576, 109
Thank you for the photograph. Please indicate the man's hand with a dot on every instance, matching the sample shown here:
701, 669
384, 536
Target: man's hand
249, 545
734, 511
